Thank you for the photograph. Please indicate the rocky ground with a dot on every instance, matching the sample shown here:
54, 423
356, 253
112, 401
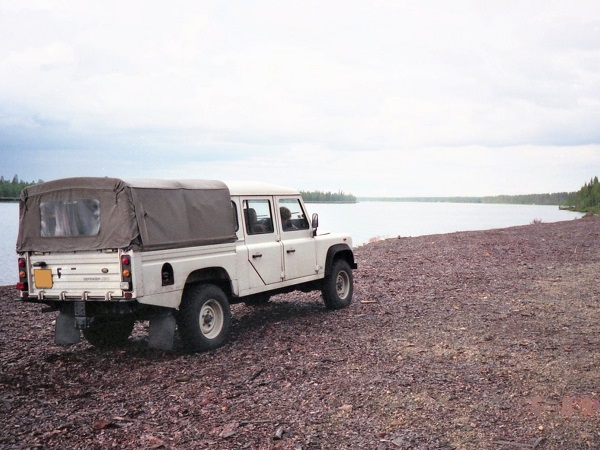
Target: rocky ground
474, 340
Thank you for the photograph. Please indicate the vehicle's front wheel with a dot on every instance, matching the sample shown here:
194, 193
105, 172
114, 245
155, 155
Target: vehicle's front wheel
205, 317
338, 285
109, 333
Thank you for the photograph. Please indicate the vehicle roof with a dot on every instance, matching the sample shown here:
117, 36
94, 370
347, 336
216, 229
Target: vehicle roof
257, 188
156, 183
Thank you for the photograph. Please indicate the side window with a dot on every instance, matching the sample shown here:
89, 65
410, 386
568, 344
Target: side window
292, 215
258, 216
235, 216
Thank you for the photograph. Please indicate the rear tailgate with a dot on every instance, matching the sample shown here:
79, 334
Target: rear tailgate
75, 275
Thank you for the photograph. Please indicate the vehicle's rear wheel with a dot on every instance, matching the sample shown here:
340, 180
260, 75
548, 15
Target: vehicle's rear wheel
109, 332
338, 285
205, 317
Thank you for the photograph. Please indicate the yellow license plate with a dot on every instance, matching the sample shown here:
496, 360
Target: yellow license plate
43, 278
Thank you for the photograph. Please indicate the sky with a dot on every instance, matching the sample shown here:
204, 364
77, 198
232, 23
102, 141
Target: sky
378, 98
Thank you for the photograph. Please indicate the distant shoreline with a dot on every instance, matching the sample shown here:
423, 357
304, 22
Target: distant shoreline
533, 199
331, 202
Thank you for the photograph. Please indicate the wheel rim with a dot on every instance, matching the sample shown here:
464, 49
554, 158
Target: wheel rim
342, 284
211, 319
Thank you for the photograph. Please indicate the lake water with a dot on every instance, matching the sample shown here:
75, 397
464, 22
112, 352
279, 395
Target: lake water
364, 220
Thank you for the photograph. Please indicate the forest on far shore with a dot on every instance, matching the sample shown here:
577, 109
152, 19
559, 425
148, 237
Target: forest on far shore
586, 199
327, 197
557, 198
11, 189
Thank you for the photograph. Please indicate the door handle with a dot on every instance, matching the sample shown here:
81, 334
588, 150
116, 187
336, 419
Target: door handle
257, 255
292, 250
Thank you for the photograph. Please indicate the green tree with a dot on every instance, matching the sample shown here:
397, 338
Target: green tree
327, 197
588, 197
11, 190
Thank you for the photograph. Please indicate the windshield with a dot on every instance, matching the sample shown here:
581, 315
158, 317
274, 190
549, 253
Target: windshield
62, 218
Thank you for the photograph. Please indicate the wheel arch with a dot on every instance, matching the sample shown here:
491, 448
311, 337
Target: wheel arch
339, 251
210, 275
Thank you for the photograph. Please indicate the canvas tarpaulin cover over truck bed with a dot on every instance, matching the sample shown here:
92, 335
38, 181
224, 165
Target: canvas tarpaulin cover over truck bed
90, 213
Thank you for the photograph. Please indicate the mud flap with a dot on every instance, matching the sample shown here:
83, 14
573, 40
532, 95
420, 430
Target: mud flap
161, 334
66, 331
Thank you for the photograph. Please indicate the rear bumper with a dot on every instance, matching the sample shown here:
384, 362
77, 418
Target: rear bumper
44, 296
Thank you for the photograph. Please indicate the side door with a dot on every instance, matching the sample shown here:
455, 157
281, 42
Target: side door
262, 241
299, 247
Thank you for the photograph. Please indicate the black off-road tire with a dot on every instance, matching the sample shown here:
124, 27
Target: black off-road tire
204, 318
338, 285
109, 332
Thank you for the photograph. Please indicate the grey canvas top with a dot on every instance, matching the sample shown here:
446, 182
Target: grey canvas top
90, 213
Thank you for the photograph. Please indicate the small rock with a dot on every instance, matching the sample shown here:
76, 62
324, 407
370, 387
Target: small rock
278, 434
229, 430
103, 424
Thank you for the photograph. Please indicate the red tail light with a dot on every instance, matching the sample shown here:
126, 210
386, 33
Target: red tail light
22, 285
126, 275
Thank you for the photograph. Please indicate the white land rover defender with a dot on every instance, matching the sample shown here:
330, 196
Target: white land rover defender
106, 252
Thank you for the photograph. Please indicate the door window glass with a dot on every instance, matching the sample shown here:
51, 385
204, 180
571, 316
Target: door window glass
258, 216
292, 215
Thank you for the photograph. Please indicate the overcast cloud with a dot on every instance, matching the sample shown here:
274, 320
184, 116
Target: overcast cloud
396, 98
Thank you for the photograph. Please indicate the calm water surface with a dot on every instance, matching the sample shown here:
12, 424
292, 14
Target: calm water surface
367, 220
363, 221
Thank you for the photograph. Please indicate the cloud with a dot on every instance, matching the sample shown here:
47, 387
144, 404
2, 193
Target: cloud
400, 89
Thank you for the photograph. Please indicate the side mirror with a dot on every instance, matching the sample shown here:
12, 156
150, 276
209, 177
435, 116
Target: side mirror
315, 223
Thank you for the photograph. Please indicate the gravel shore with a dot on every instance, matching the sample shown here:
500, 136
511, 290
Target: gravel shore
471, 340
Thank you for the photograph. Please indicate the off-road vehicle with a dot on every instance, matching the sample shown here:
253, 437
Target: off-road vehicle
106, 252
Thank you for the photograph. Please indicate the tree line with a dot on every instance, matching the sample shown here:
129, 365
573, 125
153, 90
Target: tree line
557, 198
327, 197
11, 189
586, 199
